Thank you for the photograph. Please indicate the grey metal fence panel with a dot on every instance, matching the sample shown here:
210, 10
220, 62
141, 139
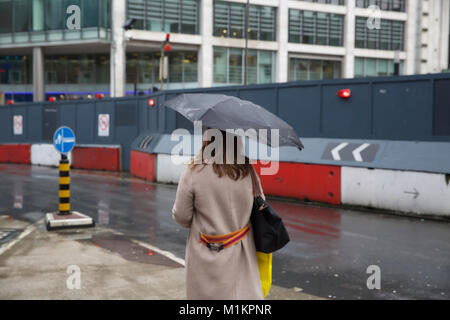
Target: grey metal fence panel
406, 108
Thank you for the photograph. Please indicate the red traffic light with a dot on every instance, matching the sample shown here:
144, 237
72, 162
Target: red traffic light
151, 102
10, 102
52, 99
167, 36
99, 95
167, 47
344, 93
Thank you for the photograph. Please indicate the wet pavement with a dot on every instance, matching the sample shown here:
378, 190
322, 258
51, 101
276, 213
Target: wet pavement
329, 252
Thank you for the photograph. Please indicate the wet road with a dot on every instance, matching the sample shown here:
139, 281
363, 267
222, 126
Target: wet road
328, 255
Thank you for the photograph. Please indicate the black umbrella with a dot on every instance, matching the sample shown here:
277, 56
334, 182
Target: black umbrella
227, 112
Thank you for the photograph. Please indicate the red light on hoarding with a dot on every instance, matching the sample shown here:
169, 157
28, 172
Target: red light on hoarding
99, 95
10, 102
52, 99
151, 102
344, 93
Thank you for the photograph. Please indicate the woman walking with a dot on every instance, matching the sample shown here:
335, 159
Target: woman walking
214, 200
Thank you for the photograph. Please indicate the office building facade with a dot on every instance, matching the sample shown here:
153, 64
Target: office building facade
77, 48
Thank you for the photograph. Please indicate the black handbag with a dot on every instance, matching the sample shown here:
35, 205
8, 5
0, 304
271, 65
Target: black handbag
268, 228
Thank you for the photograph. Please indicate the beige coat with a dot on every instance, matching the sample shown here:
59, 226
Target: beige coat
208, 204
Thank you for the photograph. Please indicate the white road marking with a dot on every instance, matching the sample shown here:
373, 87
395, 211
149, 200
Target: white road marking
335, 151
165, 253
29, 229
357, 152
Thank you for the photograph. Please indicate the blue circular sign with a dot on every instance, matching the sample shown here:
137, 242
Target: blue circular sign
64, 139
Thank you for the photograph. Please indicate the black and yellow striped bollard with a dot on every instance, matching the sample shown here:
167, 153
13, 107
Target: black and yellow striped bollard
64, 185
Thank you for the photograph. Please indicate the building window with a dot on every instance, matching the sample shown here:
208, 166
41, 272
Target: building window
15, 70
390, 36
229, 21
336, 2
177, 16
77, 69
143, 68
313, 69
369, 67
319, 28
388, 5
44, 15
229, 66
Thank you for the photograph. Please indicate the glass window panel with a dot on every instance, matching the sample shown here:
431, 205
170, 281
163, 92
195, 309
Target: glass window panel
102, 68
302, 70
145, 69
370, 67
308, 27
221, 19
54, 15
5, 16
385, 35
253, 22
360, 37
189, 17
155, 15
397, 35
295, 25
315, 69
267, 23
87, 69
328, 69
235, 66
237, 14
337, 70
190, 67
176, 67
336, 30
372, 38
252, 67
21, 15
322, 28
171, 15
220, 65
359, 67
382, 67
265, 67
73, 69
90, 11
37, 15
131, 68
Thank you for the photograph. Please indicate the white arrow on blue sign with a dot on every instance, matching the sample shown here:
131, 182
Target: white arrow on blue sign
64, 140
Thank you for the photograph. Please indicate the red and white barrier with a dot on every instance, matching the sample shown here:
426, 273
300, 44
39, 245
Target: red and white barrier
142, 165
405, 191
90, 157
15, 153
45, 154
296, 180
93, 157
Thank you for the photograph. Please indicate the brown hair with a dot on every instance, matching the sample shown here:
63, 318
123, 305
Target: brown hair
233, 170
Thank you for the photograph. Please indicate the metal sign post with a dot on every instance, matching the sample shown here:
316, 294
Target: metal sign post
64, 142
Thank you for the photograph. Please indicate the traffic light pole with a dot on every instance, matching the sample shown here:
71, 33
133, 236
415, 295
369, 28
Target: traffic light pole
161, 67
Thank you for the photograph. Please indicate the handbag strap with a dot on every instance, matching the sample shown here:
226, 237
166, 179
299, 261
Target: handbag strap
255, 187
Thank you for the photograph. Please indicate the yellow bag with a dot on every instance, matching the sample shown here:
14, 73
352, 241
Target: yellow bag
265, 270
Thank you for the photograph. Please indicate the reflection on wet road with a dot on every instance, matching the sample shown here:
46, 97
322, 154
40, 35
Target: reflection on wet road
328, 255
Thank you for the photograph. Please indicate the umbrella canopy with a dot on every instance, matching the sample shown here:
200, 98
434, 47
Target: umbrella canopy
224, 112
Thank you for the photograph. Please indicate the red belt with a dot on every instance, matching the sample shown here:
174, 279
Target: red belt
218, 243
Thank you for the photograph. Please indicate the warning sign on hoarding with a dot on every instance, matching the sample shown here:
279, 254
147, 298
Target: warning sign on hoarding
18, 124
103, 125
